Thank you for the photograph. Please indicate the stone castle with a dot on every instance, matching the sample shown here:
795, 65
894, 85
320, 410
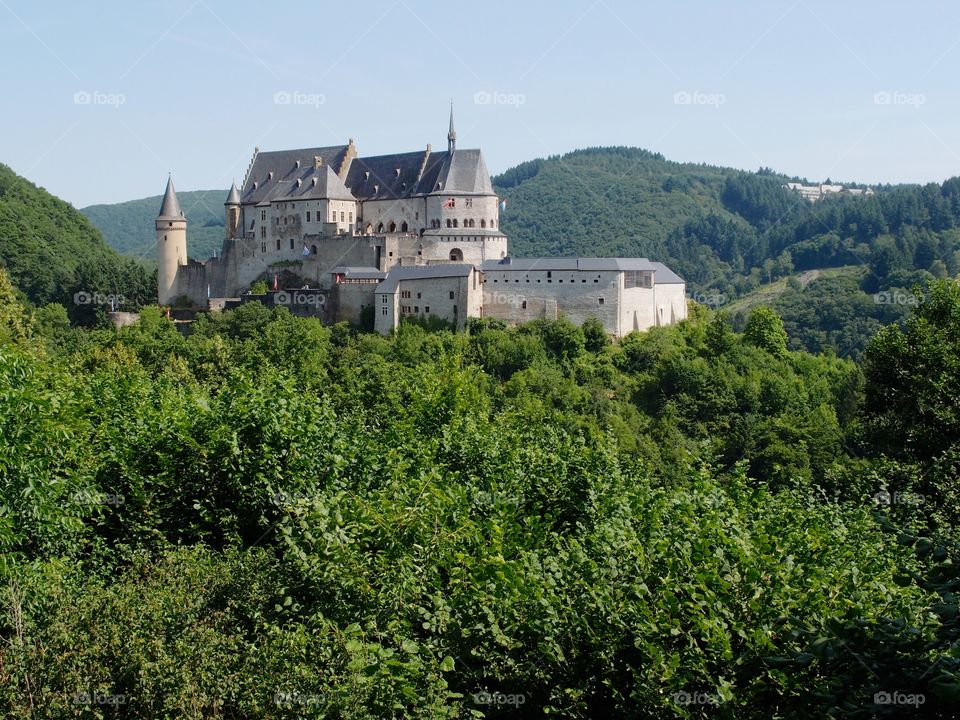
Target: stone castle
410, 235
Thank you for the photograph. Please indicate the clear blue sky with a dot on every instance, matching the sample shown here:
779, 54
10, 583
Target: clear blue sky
101, 100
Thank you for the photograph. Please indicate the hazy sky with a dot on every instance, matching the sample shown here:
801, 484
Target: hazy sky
101, 100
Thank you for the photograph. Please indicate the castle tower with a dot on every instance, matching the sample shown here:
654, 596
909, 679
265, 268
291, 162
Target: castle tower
451, 134
232, 206
171, 244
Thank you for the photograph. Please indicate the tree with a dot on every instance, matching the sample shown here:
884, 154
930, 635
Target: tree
595, 335
765, 330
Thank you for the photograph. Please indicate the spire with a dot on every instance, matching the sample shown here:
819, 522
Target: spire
171, 206
452, 134
234, 197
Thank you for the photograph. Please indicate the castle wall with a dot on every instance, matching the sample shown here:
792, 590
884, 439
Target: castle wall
348, 300
481, 209
453, 299
518, 296
411, 211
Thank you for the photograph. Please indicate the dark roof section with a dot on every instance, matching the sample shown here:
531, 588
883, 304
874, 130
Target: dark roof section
465, 172
386, 177
283, 164
234, 197
423, 272
662, 274
170, 207
359, 273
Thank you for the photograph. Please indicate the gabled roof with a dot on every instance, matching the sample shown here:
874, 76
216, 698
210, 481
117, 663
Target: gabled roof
286, 167
170, 207
422, 272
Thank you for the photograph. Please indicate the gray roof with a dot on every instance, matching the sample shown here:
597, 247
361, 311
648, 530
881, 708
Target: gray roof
465, 172
234, 197
662, 274
170, 207
423, 272
360, 273
283, 164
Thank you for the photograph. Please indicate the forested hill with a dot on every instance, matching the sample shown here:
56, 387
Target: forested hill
731, 233
51, 251
128, 226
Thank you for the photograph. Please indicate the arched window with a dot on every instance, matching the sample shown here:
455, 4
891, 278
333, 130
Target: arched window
379, 228
449, 222
454, 222
393, 227
313, 249
483, 223
403, 226
456, 255
369, 228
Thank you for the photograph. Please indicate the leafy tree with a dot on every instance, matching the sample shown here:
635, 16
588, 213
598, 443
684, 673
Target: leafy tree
765, 330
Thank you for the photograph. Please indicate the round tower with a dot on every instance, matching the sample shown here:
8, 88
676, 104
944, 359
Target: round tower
171, 245
232, 205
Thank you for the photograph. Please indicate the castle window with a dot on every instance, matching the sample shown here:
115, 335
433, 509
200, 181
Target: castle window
426, 309
263, 247
351, 217
456, 255
313, 249
342, 216
291, 243
599, 301
278, 243
384, 299
523, 305
584, 280
403, 227
416, 308
383, 311
263, 231
468, 202
263, 216
451, 294
449, 222
308, 216
393, 227
418, 296
483, 223
455, 222
379, 228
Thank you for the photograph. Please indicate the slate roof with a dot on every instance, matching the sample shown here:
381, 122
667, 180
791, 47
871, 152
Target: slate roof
422, 272
283, 165
170, 207
359, 273
234, 197
662, 274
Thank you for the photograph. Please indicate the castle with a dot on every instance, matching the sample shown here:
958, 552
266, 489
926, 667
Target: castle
408, 235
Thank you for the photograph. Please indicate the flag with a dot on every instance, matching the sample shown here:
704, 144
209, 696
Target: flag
503, 205
275, 283
450, 203
305, 251
208, 291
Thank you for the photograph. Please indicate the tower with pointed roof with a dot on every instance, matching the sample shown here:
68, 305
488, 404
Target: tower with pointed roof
232, 205
171, 226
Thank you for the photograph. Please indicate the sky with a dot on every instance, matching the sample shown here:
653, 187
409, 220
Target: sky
102, 100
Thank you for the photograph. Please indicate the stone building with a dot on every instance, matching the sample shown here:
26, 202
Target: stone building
408, 235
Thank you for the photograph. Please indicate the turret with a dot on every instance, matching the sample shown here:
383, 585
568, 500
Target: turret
232, 206
171, 244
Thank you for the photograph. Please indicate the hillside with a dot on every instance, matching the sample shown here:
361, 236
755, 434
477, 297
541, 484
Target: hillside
51, 251
128, 226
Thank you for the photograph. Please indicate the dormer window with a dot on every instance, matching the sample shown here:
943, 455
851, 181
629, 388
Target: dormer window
396, 172
366, 175
270, 175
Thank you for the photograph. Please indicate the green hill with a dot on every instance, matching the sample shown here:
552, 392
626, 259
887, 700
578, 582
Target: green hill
128, 226
51, 252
